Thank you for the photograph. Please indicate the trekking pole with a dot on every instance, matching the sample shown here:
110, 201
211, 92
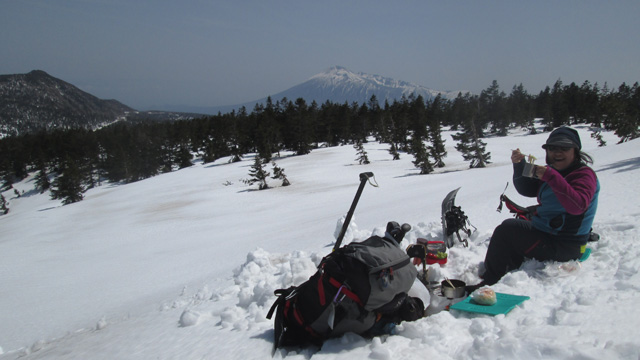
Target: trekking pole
363, 180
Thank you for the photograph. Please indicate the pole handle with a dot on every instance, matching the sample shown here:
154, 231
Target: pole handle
363, 181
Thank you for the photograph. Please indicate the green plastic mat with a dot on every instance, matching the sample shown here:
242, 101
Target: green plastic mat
504, 304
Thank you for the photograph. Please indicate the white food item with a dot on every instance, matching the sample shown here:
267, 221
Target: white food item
484, 296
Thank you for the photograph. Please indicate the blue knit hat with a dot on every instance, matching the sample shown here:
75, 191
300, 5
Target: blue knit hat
565, 137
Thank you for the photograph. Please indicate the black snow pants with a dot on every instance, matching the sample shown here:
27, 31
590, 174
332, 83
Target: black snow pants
516, 239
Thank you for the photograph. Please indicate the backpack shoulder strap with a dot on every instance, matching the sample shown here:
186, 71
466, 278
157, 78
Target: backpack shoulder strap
282, 295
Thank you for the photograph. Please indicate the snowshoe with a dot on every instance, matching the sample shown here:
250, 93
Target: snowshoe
454, 220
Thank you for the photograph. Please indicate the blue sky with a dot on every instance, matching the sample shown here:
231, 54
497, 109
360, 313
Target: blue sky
209, 53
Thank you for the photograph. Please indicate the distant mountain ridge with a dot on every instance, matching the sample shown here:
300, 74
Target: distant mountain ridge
338, 85
37, 101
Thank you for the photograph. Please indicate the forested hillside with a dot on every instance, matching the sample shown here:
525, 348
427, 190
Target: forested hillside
38, 101
68, 162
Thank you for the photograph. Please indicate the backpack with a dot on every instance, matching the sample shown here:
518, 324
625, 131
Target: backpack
357, 288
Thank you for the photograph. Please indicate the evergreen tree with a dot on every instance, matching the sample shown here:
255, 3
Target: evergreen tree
459, 111
267, 137
325, 125
435, 115
520, 109
237, 138
376, 118
394, 136
574, 98
68, 186
278, 173
7, 180
590, 104
362, 158
42, 182
598, 136
167, 157
184, 157
393, 150
362, 114
258, 174
236, 154
400, 124
469, 144
417, 112
209, 154
418, 115
543, 108
114, 143
215, 146
559, 105
492, 110
437, 150
421, 157
623, 112
301, 126
4, 208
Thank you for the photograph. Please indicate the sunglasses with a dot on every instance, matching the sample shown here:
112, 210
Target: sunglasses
553, 148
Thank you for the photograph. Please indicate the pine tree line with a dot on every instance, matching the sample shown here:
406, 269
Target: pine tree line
71, 161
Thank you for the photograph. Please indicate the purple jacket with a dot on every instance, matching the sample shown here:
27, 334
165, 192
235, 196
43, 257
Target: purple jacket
567, 200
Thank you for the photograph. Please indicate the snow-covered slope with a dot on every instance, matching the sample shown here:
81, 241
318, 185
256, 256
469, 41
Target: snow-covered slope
183, 265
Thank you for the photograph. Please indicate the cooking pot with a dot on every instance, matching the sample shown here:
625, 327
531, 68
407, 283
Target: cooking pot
455, 291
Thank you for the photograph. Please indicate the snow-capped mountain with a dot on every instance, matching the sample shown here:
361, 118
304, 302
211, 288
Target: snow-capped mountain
338, 85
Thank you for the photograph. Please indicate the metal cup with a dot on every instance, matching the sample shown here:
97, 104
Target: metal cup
529, 170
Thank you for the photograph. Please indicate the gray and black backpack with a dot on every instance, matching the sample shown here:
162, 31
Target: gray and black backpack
358, 288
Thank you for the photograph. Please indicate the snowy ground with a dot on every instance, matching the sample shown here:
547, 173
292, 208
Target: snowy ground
182, 266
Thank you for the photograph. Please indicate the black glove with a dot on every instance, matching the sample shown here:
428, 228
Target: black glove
412, 309
417, 251
396, 231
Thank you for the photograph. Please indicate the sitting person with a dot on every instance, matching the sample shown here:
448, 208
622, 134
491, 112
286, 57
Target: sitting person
567, 191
